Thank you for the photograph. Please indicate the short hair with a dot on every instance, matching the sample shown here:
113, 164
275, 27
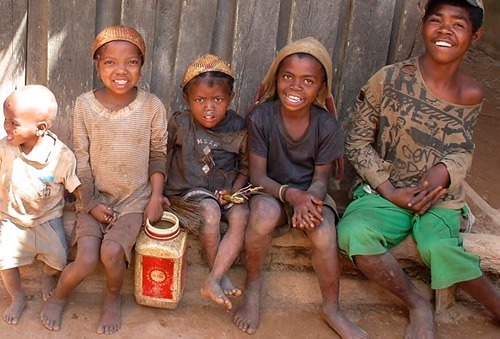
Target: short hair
475, 13
211, 78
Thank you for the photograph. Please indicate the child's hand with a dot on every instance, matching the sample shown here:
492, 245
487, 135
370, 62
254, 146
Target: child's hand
220, 196
103, 214
437, 178
306, 209
417, 199
165, 203
154, 209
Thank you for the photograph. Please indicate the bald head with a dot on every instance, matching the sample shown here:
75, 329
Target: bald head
36, 100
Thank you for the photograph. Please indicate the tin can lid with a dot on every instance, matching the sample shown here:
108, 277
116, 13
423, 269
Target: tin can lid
165, 229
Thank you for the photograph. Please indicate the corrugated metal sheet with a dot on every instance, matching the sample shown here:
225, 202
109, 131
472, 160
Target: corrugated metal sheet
49, 42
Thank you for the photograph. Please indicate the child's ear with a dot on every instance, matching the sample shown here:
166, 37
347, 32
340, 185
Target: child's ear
477, 35
41, 128
185, 96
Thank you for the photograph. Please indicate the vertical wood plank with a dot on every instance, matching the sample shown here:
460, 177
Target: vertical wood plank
37, 42
322, 20
168, 13
13, 27
71, 26
366, 47
140, 15
196, 29
254, 47
405, 39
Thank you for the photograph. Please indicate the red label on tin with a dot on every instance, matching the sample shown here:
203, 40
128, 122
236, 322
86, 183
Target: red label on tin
157, 277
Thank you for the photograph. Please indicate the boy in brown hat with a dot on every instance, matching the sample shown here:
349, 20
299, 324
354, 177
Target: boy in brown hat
206, 161
120, 146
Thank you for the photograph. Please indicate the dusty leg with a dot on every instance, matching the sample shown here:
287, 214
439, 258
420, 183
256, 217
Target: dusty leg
485, 292
211, 240
49, 281
326, 264
12, 281
87, 258
217, 284
112, 255
385, 271
266, 214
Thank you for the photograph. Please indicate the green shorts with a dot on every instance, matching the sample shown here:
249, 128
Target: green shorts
371, 225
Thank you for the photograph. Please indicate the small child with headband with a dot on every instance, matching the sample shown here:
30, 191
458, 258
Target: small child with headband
120, 146
207, 160
293, 141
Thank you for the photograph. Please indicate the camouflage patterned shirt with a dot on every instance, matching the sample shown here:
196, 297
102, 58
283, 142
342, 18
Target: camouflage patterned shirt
399, 130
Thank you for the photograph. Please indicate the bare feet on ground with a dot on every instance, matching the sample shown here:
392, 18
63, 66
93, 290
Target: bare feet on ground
212, 289
228, 288
340, 324
12, 314
421, 322
111, 316
51, 314
247, 316
49, 283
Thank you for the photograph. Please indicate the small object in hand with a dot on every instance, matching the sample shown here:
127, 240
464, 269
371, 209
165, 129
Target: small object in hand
242, 195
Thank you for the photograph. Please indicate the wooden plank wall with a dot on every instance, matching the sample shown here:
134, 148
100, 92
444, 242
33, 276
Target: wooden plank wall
49, 42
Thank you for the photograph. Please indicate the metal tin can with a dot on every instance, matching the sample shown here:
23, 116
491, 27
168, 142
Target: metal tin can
160, 263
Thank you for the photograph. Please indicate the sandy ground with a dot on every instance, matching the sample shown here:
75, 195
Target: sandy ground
290, 310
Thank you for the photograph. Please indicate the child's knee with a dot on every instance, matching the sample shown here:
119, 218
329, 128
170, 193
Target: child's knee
111, 251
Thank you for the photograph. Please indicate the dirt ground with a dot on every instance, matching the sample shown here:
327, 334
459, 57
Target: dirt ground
291, 299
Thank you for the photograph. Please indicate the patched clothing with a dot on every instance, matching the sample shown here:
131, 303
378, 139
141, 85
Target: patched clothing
400, 130
199, 157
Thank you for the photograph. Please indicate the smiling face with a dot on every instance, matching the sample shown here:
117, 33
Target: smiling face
208, 100
448, 33
118, 65
298, 82
27, 111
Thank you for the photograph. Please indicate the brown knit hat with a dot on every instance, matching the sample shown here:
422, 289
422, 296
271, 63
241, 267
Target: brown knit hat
119, 33
203, 64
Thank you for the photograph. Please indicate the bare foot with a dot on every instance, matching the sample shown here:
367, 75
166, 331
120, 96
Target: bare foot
212, 290
111, 316
421, 322
338, 321
48, 285
247, 316
228, 288
12, 314
51, 314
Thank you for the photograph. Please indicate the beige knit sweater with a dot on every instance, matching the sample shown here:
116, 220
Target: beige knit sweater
117, 151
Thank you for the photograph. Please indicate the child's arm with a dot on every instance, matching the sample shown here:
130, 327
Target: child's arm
157, 161
154, 209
